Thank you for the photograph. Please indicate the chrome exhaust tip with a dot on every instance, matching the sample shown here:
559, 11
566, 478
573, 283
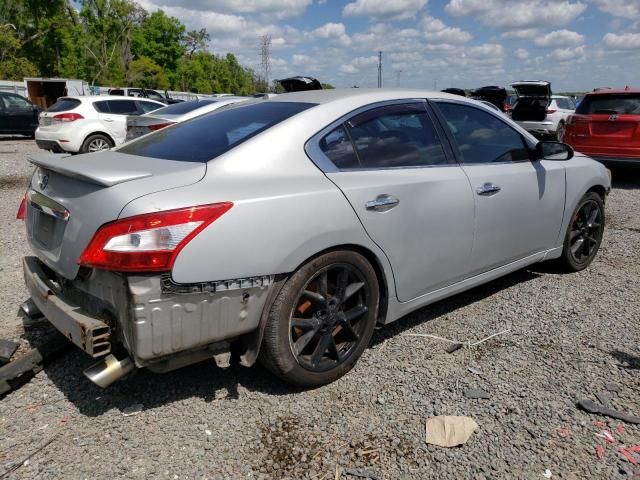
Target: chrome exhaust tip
108, 370
30, 309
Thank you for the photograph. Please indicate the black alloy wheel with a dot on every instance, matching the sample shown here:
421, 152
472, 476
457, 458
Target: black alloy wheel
584, 234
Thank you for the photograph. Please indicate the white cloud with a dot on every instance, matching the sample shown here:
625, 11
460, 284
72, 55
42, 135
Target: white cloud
384, 9
619, 8
560, 38
439, 33
335, 33
521, 34
625, 41
568, 54
513, 14
521, 53
359, 63
282, 8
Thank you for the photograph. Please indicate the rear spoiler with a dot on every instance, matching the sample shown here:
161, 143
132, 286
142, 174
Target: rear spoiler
75, 167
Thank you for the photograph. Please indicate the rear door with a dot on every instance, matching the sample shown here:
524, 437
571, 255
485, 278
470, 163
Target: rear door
19, 113
519, 202
116, 120
413, 201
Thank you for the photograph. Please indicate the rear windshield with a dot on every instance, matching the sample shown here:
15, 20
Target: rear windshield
612, 104
183, 107
64, 105
206, 137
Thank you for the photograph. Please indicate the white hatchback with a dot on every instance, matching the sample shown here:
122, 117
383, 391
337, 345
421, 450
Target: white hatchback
89, 124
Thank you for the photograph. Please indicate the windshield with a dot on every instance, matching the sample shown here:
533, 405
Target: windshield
207, 136
610, 104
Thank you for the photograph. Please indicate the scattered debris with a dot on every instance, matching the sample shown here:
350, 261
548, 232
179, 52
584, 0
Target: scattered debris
593, 407
446, 431
7, 348
620, 428
20, 370
456, 342
600, 424
628, 456
133, 410
25, 461
380, 400
454, 348
604, 399
613, 387
547, 473
599, 452
475, 371
606, 434
564, 432
361, 473
476, 393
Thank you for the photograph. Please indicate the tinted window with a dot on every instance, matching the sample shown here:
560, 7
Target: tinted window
481, 137
206, 137
564, 104
338, 148
102, 107
154, 95
148, 106
610, 104
396, 136
123, 107
116, 91
184, 107
15, 101
64, 105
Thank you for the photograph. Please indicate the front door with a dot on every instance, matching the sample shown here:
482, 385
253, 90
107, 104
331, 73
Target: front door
519, 202
414, 203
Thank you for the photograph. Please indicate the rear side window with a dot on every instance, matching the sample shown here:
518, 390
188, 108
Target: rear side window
481, 137
396, 136
64, 105
102, 106
610, 104
204, 138
123, 107
338, 148
564, 104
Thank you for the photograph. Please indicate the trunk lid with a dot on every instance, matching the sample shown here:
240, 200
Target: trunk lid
300, 84
533, 88
533, 100
70, 197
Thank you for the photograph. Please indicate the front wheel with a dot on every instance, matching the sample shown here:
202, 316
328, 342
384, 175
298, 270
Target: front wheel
322, 319
560, 132
584, 235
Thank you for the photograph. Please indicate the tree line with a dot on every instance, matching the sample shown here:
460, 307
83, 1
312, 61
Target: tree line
114, 43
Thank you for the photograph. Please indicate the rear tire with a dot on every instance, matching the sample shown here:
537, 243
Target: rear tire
322, 320
584, 233
96, 143
560, 132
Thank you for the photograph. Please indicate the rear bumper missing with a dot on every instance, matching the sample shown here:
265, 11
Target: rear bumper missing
154, 319
90, 334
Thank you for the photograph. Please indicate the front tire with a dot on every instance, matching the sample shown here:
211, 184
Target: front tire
584, 234
322, 319
96, 143
560, 132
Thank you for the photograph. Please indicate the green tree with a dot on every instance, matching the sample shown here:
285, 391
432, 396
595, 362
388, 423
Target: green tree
12, 66
159, 38
196, 40
327, 86
145, 73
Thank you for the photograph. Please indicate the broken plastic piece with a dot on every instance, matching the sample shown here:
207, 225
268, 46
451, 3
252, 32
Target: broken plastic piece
593, 407
447, 431
600, 452
628, 456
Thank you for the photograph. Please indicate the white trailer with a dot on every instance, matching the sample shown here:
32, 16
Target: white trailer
44, 92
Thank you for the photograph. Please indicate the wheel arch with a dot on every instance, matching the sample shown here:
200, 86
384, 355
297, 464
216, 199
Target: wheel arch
98, 132
250, 344
600, 190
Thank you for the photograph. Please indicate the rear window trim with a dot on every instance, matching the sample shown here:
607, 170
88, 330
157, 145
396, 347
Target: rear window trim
589, 97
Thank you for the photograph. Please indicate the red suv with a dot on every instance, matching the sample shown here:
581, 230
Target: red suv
606, 126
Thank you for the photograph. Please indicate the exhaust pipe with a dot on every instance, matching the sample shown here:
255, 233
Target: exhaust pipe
108, 370
30, 309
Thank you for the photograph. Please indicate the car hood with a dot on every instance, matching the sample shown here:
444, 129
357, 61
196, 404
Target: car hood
90, 190
300, 84
535, 88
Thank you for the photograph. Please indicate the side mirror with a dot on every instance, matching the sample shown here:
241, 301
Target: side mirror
553, 151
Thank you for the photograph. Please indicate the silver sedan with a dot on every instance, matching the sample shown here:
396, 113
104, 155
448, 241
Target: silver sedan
285, 230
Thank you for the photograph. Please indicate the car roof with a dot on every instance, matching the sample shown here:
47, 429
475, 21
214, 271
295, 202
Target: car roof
95, 98
367, 95
615, 91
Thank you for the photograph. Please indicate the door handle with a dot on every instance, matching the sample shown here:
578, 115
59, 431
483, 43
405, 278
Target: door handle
382, 203
488, 189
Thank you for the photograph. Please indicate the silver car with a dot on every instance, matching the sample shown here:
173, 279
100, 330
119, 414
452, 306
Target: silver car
288, 228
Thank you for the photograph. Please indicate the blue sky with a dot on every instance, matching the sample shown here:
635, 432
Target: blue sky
575, 44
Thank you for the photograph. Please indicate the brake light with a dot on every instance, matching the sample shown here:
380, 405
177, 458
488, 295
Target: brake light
67, 117
22, 209
149, 242
551, 110
158, 126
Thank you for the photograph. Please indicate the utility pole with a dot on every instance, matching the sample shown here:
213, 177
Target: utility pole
265, 57
398, 73
380, 69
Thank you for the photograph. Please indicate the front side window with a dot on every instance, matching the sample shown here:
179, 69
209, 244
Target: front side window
208, 136
123, 107
396, 136
481, 137
15, 101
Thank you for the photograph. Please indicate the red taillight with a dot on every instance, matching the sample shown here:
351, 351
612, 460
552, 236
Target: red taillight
22, 209
67, 117
551, 110
150, 242
158, 126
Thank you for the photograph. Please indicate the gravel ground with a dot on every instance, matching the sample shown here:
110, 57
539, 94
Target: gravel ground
570, 336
